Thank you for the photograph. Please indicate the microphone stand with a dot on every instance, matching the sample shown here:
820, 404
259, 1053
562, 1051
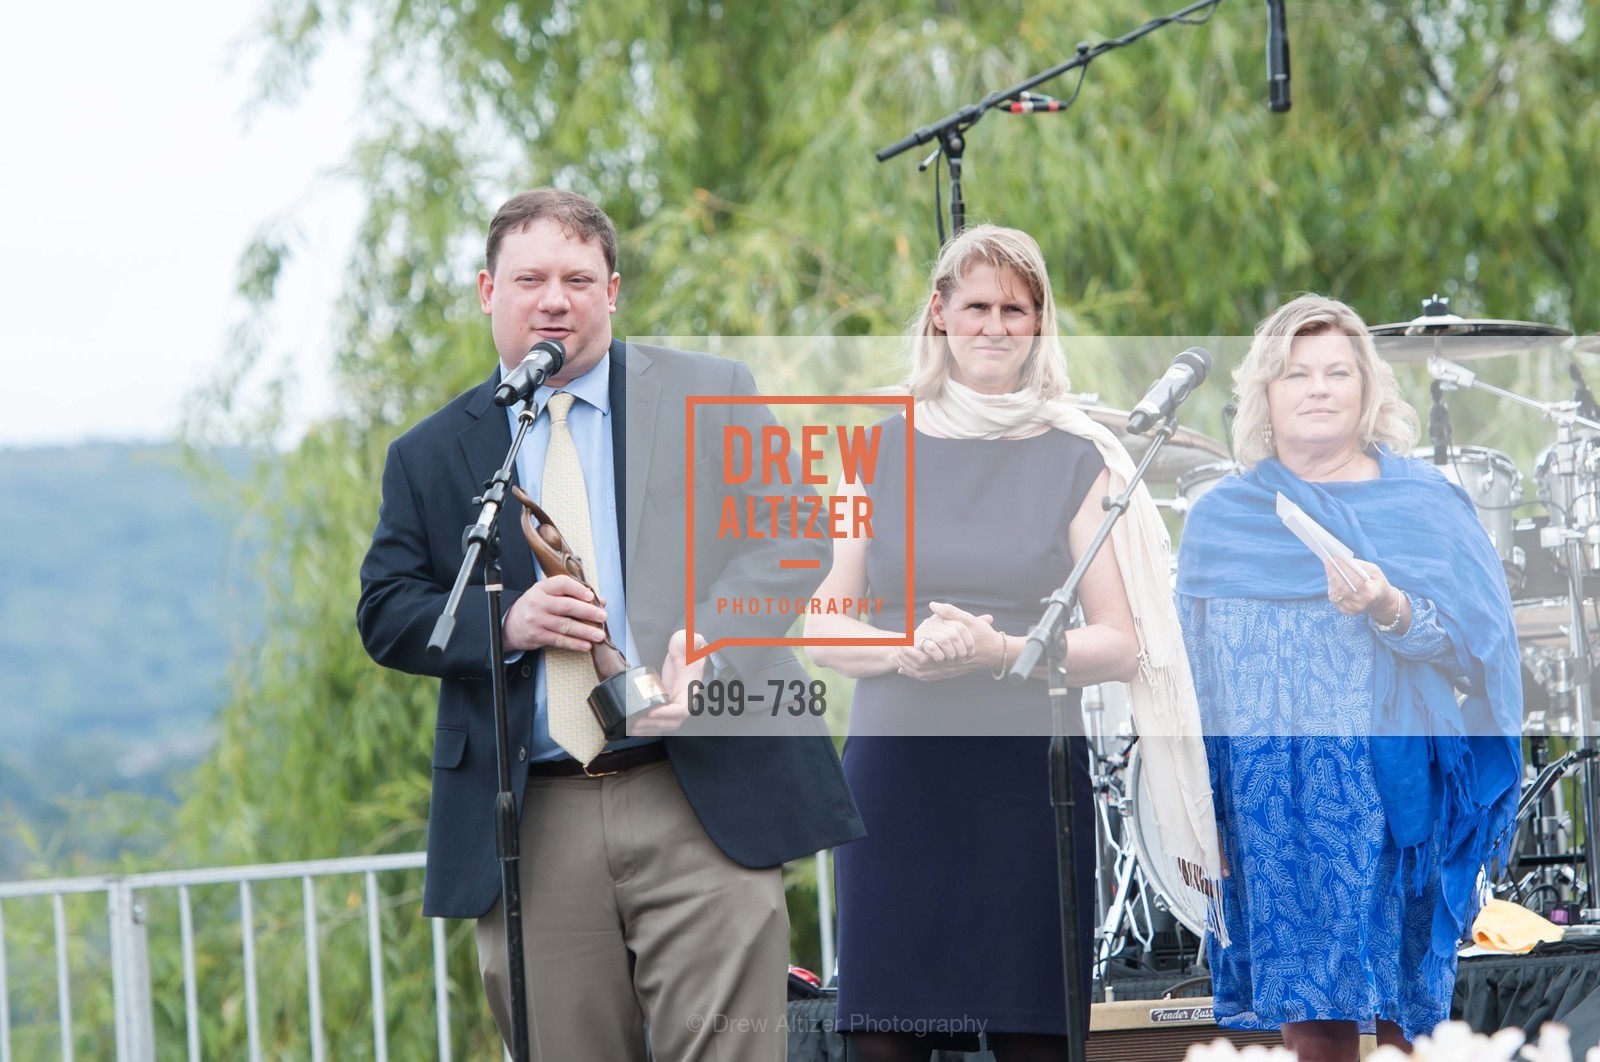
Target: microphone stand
1439, 424
1047, 639
951, 129
483, 538
1587, 406
1230, 412
953, 143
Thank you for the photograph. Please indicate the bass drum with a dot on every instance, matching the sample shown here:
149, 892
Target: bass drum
1138, 818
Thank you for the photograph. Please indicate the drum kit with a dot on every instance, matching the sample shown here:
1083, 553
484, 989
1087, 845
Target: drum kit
1551, 559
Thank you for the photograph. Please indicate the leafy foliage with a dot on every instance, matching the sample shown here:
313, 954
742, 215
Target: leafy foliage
1435, 145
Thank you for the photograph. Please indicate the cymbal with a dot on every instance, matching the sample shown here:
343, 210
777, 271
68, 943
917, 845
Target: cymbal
1187, 450
1461, 338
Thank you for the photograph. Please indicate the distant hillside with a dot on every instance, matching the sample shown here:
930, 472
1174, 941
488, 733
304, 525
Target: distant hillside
124, 586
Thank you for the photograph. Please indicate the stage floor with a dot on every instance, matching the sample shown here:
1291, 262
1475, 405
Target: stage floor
1554, 983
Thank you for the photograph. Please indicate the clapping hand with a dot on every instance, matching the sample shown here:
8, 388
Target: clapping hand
948, 643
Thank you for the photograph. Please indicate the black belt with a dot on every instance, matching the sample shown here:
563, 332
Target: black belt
614, 762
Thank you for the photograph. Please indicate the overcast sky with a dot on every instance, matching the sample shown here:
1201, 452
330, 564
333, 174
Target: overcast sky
131, 185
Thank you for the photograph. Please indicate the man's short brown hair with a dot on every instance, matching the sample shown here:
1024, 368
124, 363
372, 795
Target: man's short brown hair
577, 215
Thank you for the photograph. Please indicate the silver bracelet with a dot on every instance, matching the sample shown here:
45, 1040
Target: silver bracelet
1399, 613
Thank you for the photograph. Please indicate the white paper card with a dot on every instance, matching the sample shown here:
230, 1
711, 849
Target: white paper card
1319, 540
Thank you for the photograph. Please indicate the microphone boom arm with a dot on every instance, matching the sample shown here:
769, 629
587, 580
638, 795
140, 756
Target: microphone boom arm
951, 129
1454, 377
968, 116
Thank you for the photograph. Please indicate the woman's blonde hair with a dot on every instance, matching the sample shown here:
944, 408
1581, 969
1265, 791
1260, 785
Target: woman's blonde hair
1385, 416
1044, 373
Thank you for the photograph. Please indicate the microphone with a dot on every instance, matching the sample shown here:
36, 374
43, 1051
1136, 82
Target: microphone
1277, 58
1439, 425
1188, 371
1588, 408
545, 359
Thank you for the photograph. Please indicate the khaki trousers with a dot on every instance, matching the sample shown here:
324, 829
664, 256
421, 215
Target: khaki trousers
633, 919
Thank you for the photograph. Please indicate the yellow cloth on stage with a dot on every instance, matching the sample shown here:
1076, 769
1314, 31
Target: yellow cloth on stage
1510, 927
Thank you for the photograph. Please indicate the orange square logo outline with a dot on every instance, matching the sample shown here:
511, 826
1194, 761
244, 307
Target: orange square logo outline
907, 404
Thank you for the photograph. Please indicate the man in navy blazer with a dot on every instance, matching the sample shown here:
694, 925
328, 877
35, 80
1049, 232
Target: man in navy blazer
650, 877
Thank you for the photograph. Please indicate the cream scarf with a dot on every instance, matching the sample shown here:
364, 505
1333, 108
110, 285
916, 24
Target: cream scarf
1165, 711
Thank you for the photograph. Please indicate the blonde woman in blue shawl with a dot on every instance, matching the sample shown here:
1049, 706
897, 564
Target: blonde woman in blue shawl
1357, 794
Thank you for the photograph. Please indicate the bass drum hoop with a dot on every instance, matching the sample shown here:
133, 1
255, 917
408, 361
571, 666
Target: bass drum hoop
1189, 909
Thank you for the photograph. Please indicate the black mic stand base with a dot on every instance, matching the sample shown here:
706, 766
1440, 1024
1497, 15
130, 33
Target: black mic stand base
483, 539
1047, 641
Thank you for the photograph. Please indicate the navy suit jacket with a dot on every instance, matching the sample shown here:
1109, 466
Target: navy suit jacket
763, 799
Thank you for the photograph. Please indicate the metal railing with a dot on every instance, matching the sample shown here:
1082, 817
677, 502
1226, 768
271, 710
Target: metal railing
128, 903
128, 900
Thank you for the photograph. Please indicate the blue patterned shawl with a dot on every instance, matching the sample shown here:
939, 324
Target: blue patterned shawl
1440, 766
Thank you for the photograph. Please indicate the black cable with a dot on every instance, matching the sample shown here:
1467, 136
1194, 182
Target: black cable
1195, 20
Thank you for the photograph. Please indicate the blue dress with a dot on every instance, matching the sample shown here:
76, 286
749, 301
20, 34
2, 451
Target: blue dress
949, 914
1324, 922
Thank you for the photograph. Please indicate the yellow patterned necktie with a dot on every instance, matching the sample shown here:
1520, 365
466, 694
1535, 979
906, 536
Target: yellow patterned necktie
569, 675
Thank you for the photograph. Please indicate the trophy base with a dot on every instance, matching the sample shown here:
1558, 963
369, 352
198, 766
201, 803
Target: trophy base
624, 695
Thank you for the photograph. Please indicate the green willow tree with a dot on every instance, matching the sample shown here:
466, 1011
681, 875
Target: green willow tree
1434, 145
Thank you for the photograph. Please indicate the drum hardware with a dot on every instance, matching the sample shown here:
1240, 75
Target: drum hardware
1552, 670
1439, 424
1126, 917
1539, 596
1123, 914
1459, 378
1541, 838
1551, 825
1140, 920
1544, 573
1560, 654
1544, 626
1492, 481
1568, 474
1136, 893
1587, 406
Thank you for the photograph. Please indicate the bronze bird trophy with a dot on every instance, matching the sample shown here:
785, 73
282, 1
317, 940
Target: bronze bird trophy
623, 691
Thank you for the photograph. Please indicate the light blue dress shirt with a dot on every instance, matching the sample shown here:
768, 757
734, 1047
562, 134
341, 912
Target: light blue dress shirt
590, 425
